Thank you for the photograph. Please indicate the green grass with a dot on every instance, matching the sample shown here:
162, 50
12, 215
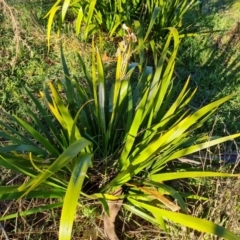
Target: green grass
24, 56
212, 60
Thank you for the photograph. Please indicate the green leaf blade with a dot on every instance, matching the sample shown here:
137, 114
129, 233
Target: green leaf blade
72, 195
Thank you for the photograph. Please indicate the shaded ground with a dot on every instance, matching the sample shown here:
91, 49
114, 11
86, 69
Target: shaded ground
213, 61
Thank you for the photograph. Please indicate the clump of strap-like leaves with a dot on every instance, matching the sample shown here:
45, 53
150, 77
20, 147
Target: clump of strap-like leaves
107, 16
124, 133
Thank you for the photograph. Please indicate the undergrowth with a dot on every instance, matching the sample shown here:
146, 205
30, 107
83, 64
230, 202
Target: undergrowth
213, 62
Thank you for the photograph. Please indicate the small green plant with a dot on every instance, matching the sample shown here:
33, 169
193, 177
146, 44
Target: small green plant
123, 130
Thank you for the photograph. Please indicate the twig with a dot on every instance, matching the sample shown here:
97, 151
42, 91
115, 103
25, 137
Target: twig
4, 232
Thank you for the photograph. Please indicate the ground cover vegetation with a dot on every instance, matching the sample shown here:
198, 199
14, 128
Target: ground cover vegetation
96, 137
